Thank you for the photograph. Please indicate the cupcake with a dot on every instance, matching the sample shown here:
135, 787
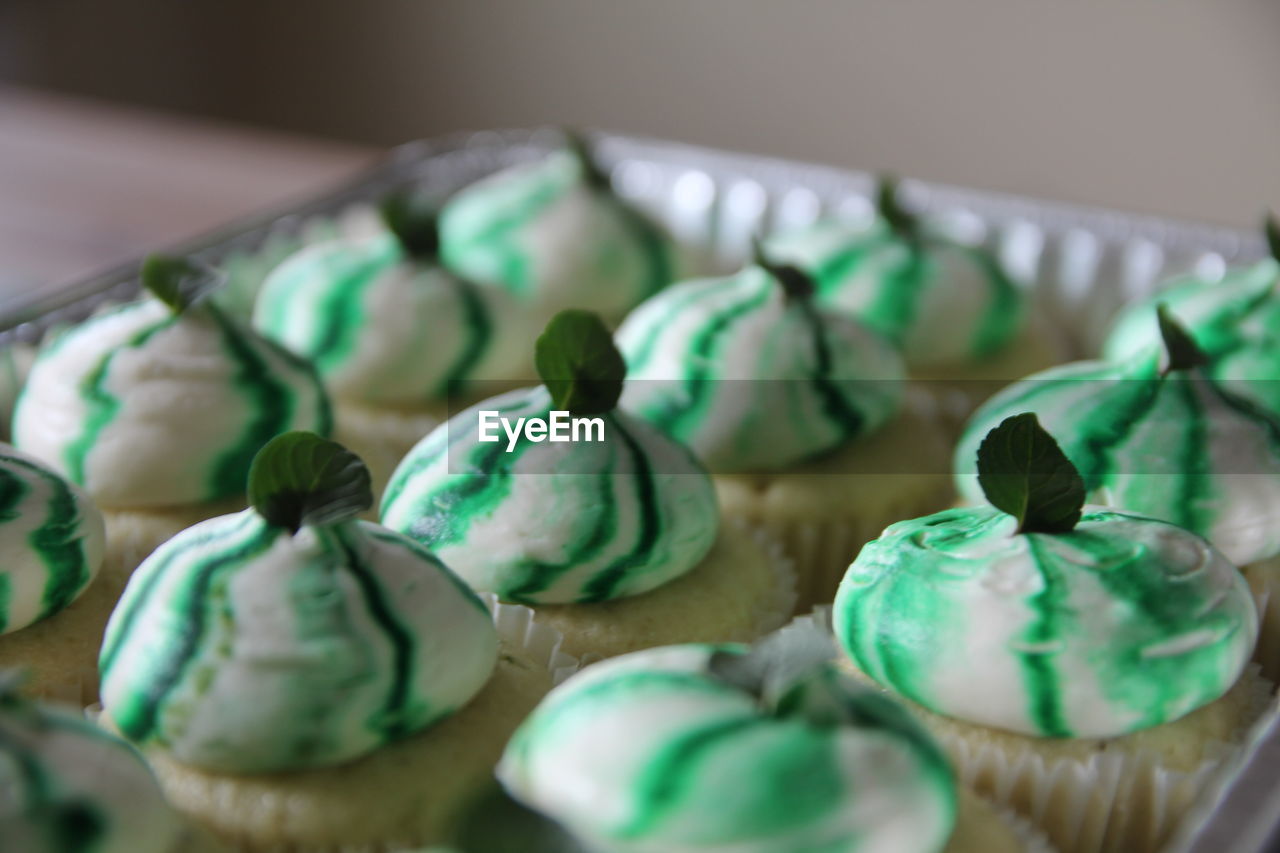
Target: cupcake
304, 680
52, 611
156, 409
610, 534
69, 786
556, 235
395, 336
795, 408
730, 749
1045, 635
961, 320
1234, 319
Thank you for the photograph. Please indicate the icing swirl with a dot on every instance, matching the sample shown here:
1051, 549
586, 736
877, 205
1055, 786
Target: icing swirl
146, 407
946, 303
551, 523
706, 766
549, 234
751, 378
242, 647
1178, 448
357, 309
69, 786
1235, 320
51, 541
1121, 624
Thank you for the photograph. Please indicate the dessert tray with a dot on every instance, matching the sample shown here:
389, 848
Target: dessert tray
1081, 265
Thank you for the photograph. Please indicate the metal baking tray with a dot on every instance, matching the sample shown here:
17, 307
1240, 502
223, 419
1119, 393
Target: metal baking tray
1080, 264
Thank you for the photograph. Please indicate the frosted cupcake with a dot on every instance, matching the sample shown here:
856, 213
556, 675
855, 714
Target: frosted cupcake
795, 408
395, 337
51, 611
156, 409
612, 535
1046, 636
730, 749
963, 324
556, 235
1234, 320
301, 679
69, 786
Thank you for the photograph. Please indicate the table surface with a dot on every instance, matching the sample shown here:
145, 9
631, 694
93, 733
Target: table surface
85, 185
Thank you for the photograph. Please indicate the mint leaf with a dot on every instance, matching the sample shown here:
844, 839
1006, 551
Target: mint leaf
1024, 472
578, 362
300, 478
414, 223
795, 282
903, 223
1181, 350
1271, 227
178, 282
581, 149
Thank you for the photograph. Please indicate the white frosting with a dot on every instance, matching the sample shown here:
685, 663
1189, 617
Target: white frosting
244, 648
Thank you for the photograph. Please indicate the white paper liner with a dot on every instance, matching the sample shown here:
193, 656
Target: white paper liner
1032, 839
1264, 583
1112, 802
516, 629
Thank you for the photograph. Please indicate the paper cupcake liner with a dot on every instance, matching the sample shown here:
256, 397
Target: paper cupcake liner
1032, 839
1264, 583
777, 611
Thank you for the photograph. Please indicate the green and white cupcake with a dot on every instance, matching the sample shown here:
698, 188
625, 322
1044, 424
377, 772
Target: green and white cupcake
304, 680
395, 336
727, 748
1040, 628
69, 786
555, 234
795, 408
157, 408
962, 322
614, 538
52, 611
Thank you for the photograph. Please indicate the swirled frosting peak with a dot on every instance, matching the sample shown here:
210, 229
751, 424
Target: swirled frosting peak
385, 327
752, 377
1176, 446
652, 752
241, 646
541, 522
1123, 623
1234, 319
51, 541
554, 233
69, 786
149, 406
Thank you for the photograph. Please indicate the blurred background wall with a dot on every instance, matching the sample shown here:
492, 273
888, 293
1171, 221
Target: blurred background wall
1170, 106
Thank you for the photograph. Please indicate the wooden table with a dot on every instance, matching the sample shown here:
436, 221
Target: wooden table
84, 185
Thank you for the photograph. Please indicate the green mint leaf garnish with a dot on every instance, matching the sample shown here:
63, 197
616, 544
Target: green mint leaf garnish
177, 282
795, 283
1271, 227
414, 223
1181, 350
581, 150
903, 223
300, 478
578, 362
1024, 472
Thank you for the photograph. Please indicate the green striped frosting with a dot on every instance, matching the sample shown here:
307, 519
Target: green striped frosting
752, 379
554, 522
143, 407
653, 753
946, 303
242, 647
383, 328
542, 231
51, 541
68, 787
1234, 319
1180, 448
1121, 624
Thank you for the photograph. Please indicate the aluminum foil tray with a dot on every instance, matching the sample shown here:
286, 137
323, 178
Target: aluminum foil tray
1081, 264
